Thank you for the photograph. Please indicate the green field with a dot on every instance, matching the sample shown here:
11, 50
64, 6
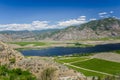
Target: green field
79, 59
87, 73
117, 51
100, 65
27, 43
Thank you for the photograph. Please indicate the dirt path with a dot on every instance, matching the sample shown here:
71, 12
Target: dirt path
80, 60
90, 70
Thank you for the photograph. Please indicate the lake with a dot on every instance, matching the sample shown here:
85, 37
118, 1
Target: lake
57, 51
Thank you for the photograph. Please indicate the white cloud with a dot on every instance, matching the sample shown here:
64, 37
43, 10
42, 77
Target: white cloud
35, 25
40, 25
111, 12
14, 26
106, 14
80, 20
102, 16
102, 13
92, 19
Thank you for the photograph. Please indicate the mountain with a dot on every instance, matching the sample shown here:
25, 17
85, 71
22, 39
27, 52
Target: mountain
25, 35
97, 29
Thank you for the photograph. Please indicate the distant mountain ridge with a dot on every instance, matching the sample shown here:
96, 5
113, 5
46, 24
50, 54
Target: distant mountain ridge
25, 35
103, 28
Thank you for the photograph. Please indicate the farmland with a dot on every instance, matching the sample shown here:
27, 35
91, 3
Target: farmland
92, 66
100, 65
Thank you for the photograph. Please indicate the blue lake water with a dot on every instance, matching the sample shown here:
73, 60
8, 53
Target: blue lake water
56, 51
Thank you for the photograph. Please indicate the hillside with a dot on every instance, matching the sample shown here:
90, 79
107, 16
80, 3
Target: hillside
103, 28
36, 65
26, 35
98, 29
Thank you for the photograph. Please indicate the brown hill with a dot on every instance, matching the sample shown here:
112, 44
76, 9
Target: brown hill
104, 28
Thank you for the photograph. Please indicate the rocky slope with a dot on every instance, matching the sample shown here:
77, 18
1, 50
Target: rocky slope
104, 28
9, 56
35, 65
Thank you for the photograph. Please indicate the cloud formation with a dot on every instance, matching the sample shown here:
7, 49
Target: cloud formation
41, 25
111, 12
106, 14
102, 13
92, 19
80, 20
35, 25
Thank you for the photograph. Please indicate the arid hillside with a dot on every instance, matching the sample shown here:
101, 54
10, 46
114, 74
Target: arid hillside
36, 65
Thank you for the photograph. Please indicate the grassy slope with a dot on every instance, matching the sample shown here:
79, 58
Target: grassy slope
100, 65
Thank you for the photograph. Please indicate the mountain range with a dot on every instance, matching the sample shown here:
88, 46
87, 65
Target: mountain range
96, 29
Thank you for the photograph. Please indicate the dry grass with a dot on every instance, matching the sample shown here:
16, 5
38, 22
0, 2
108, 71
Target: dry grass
108, 56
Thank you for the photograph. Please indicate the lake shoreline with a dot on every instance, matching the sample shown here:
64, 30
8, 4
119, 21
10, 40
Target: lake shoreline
51, 44
58, 51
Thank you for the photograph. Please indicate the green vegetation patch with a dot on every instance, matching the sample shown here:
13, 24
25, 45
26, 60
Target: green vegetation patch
85, 72
100, 65
27, 43
117, 51
15, 74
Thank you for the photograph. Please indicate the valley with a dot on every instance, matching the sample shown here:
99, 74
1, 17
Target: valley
59, 39
77, 52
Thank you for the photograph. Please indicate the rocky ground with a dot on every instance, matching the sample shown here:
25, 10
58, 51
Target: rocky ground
35, 65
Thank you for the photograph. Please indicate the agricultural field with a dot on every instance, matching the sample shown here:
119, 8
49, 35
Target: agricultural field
100, 65
91, 66
85, 72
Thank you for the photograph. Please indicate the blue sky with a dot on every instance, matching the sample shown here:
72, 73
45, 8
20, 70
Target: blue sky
52, 12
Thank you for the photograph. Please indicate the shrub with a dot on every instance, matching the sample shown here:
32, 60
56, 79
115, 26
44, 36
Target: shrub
12, 60
48, 74
15, 74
